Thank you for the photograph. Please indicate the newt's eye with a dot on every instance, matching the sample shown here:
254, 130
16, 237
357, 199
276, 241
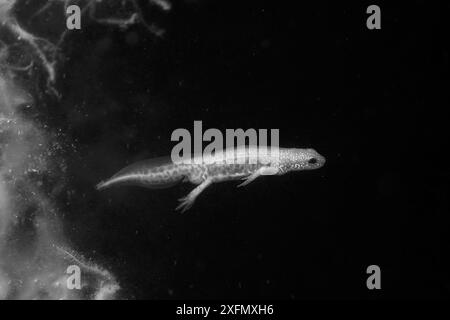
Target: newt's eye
312, 161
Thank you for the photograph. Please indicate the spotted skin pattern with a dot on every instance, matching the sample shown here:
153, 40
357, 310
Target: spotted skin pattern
246, 163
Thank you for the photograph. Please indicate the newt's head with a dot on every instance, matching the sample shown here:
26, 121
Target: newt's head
300, 159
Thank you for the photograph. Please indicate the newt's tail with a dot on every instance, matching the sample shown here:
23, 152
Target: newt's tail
153, 173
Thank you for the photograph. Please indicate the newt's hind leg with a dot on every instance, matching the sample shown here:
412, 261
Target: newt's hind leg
188, 201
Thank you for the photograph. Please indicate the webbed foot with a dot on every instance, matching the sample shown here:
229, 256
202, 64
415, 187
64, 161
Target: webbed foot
185, 203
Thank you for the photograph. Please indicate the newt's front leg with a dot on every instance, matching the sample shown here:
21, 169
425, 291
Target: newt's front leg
263, 171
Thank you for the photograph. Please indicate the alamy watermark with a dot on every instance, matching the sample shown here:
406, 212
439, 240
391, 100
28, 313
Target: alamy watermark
241, 147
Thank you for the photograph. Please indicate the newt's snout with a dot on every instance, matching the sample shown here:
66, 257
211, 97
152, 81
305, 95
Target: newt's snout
316, 160
303, 159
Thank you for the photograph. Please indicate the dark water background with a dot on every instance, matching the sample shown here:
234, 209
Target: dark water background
370, 101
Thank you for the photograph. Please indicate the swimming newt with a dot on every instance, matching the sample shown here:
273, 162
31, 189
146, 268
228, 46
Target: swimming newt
246, 163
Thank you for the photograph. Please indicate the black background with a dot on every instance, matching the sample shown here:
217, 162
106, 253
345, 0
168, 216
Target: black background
371, 101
